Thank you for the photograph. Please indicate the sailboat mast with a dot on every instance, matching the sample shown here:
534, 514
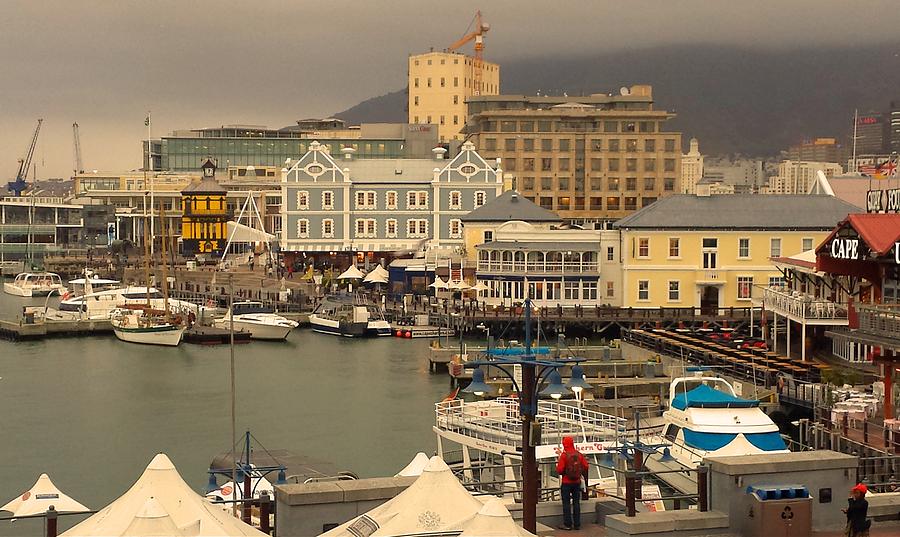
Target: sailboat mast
147, 257
855, 124
162, 252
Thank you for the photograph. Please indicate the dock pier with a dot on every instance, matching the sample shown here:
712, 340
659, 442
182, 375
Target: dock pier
20, 330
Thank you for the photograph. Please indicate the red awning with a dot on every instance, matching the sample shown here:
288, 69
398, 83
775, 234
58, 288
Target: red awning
878, 231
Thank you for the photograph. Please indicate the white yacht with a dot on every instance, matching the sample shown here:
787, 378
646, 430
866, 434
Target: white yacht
345, 317
261, 321
707, 418
146, 326
100, 304
29, 284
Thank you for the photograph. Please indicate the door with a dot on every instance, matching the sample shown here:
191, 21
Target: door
709, 300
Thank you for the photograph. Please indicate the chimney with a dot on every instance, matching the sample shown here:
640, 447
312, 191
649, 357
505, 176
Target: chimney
348, 152
438, 153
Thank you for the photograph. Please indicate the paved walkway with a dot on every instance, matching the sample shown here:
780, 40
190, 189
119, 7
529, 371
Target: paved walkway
887, 529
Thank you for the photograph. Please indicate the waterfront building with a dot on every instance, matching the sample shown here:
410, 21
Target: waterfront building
708, 252
32, 227
204, 228
708, 186
873, 134
439, 85
798, 177
691, 168
592, 159
817, 150
368, 209
237, 147
746, 175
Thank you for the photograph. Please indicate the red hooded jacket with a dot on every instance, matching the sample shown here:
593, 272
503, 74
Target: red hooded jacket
569, 447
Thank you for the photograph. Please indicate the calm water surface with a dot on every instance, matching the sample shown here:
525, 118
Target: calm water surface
92, 412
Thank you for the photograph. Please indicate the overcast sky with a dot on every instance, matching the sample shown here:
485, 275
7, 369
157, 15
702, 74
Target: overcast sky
199, 64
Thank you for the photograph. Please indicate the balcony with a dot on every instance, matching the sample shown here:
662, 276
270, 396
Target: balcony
802, 307
711, 276
549, 267
879, 320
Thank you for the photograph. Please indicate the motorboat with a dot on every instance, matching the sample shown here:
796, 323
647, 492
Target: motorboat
706, 418
146, 326
30, 284
349, 318
100, 304
261, 321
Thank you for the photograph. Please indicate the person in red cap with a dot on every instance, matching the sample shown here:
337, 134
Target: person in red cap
857, 511
571, 467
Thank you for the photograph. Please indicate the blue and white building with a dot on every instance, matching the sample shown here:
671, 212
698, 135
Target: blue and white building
380, 208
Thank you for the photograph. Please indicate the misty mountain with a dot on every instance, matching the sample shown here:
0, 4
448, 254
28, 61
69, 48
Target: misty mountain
752, 101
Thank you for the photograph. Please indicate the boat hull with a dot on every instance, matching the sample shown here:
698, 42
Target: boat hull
257, 330
168, 336
338, 328
27, 292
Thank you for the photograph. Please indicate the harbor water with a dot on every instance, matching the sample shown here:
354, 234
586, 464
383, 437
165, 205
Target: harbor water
91, 412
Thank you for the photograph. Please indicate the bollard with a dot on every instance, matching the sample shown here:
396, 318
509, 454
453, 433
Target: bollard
638, 466
866, 432
264, 507
629, 494
702, 488
51, 521
247, 504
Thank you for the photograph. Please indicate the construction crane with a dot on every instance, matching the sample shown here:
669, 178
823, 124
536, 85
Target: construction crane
20, 184
78, 167
477, 34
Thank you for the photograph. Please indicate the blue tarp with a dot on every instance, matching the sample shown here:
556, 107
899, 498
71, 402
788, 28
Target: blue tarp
766, 441
705, 397
707, 441
518, 351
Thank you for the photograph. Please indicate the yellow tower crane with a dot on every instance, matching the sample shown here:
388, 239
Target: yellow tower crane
477, 35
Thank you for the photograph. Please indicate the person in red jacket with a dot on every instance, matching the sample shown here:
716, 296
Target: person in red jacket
572, 467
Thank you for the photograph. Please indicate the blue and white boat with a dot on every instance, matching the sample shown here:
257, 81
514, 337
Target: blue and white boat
346, 317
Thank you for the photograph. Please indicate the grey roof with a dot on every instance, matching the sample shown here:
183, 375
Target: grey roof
511, 206
206, 185
385, 170
741, 211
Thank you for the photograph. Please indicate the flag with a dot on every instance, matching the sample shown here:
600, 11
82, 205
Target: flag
882, 170
147, 121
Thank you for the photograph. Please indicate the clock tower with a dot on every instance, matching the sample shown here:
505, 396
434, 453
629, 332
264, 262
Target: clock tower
204, 222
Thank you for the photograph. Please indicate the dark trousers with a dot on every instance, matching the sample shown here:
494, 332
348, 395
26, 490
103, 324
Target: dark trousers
571, 500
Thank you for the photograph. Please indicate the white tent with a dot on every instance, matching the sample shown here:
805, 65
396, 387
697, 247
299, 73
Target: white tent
39, 498
494, 520
460, 285
438, 283
238, 232
435, 503
479, 286
173, 501
415, 466
377, 275
351, 273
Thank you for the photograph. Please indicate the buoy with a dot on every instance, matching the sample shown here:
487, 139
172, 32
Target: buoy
408, 334
399, 333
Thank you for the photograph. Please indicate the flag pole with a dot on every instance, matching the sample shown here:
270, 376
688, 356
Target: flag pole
150, 167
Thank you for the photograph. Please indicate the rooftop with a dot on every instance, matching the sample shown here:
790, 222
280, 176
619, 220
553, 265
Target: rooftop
511, 206
741, 211
390, 170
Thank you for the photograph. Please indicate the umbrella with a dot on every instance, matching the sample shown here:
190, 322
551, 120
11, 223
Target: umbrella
377, 275
39, 498
351, 273
479, 287
415, 466
439, 284
459, 286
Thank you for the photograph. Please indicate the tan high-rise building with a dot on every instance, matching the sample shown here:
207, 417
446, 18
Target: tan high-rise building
591, 159
797, 177
440, 83
691, 168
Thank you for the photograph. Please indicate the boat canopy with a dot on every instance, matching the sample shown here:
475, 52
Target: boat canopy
705, 397
770, 441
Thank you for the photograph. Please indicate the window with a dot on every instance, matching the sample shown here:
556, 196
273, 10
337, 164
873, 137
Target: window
490, 144
674, 291
776, 281
631, 165
417, 199
489, 236
564, 144
480, 198
614, 146
455, 199
455, 85
546, 183
526, 126
807, 243
442, 120
596, 164
631, 183
613, 183
649, 184
612, 164
647, 126
365, 199
563, 183
328, 228
571, 290
545, 126
528, 164
646, 201
775, 248
669, 165
302, 200
547, 202
442, 82
610, 289
674, 247
670, 145
510, 164
643, 290
328, 200
710, 243
455, 119
507, 126
597, 144
589, 290
528, 183
630, 203
455, 228
611, 126
546, 164
744, 287
417, 228
649, 164
510, 144
528, 144
546, 144
429, 82
650, 146
416, 100
669, 184
610, 253
390, 228
612, 203
303, 228
563, 203
628, 126
563, 164
365, 227
743, 248
596, 183
631, 146
643, 247
390, 199
416, 82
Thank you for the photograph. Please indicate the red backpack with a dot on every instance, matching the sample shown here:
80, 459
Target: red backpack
573, 468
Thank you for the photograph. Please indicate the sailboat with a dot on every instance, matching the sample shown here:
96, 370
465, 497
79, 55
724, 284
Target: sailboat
142, 323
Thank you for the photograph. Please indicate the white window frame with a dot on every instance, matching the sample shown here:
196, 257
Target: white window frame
772, 242
645, 290
366, 233
455, 206
363, 198
812, 243
589, 288
777, 281
610, 289
677, 248
389, 204
305, 223
739, 248
303, 195
483, 195
487, 236
458, 233
326, 233
677, 291
638, 253
419, 200
417, 224
328, 194
388, 224
739, 282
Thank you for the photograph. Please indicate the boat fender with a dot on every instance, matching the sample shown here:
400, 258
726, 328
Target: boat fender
125, 321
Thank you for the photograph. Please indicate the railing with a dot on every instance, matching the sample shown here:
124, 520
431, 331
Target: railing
879, 320
801, 305
711, 275
550, 267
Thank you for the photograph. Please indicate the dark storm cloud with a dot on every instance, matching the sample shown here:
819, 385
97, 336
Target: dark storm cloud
104, 64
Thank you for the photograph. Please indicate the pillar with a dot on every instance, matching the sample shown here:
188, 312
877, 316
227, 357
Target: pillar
888, 385
803, 341
774, 331
787, 335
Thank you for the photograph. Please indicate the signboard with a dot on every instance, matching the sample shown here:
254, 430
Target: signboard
586, 448
883, 201
868, 120
845, 248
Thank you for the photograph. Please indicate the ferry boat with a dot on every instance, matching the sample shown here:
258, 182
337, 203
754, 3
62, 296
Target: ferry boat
261, 321
707, 418
349, 318
30, 284
147, 326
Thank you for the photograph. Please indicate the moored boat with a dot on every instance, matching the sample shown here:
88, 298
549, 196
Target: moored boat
30, 284
261, 321
346, 317
146, 326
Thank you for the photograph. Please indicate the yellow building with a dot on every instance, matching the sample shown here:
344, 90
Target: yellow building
440, 83
204, 221
708, 252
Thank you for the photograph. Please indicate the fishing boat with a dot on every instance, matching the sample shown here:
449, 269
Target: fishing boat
347, 317
147, 326
30, 284
707, 418
261, 321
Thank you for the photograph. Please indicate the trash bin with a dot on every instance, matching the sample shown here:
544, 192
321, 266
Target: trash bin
782, 510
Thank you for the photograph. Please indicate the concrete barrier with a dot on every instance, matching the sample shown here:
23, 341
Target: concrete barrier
683, 522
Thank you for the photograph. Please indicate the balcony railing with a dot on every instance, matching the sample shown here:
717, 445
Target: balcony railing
801, 305
550, 267
879, 320
711, 276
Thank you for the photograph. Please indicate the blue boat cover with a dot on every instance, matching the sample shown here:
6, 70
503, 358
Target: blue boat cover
705, 397
766, 441
518, 351
707, 441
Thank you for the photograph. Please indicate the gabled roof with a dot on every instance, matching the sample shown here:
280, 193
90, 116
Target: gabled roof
878, 231
511, 206
741, 211
206, 185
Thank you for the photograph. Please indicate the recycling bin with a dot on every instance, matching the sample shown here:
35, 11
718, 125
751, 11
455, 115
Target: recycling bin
778, 511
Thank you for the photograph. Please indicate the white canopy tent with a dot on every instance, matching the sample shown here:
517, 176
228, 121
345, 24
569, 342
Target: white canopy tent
494, 520
415, 466
479, 287
435, 503
38, 499
160, 497
377, 275
351, 273
439, 284
460, 285
238, 232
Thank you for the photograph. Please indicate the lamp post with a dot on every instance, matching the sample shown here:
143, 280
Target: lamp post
534, 372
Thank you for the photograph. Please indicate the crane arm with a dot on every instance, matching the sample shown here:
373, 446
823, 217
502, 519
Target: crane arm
480, 30
25, 163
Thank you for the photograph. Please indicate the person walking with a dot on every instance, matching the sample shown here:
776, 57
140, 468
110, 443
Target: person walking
572, 467
857, 512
